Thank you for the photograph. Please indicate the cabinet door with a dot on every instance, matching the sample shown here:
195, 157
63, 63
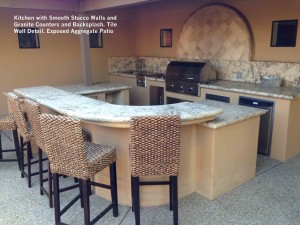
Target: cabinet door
137, 95
156, 95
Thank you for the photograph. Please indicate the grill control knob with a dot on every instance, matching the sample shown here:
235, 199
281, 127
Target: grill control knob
191, 89
181, 87
172, 85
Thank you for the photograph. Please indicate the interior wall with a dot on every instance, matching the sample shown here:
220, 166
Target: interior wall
56, 62
173, 13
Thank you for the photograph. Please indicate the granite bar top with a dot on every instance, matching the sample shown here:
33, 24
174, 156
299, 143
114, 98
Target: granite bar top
81, 107
232, 114
255, 89
97, 88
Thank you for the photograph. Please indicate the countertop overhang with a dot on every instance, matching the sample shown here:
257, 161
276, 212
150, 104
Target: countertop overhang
91, 110
96, 88
232, 114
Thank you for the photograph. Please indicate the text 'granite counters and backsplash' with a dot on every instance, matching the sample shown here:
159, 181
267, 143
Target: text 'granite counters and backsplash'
244, 71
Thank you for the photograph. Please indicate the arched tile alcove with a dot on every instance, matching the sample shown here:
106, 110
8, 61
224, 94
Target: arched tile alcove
216, 31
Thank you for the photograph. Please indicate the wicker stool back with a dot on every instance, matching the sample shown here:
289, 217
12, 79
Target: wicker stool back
155, 145
155, 150
7, 122
33, 114
25, 135
15, 105
69, 155
65, 146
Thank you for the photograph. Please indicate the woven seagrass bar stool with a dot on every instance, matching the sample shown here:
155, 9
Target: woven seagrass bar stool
26, 136
7, 122
69, 155
33, 114
154, 150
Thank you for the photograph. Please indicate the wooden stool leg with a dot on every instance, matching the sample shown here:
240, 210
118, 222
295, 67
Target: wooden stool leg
41, 171
86, 201
50, 185
175, 199
17, 147
29, 155
114, 192
171, 193
132, 195
81, 192
1, 156
56, 198
22, 157
136, 200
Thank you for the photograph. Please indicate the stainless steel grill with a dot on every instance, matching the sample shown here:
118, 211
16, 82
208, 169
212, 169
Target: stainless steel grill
185, 77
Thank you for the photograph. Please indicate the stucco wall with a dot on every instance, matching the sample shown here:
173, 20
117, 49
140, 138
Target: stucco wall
173, 13
56, 62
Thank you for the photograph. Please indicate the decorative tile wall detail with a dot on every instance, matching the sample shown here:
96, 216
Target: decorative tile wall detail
245, 71
118, 64
215, 31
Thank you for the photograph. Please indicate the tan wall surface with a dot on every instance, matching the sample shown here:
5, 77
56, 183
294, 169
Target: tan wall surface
56, 62
120, 43
173, 13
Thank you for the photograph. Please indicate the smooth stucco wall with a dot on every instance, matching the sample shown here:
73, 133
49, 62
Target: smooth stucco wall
173, 14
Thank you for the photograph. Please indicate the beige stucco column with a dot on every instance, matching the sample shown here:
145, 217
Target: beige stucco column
85, 60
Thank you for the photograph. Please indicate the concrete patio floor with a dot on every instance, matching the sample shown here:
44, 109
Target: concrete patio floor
272, 198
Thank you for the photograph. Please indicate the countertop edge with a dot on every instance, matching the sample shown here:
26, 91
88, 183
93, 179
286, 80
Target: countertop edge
258, 93
232, 121
61, 103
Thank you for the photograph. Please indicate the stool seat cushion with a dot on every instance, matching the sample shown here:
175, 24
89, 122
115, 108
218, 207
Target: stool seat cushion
7, 122
99, 156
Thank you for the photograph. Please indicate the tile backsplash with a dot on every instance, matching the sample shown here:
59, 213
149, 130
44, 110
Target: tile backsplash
245, 71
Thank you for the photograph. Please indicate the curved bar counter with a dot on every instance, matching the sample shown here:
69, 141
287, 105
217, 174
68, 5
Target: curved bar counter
109, 124
112, 115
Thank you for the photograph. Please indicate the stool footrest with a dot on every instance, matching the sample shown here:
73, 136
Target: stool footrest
70, 204
154, 182
68, 188
8, 160
9, 150
106, 210
100, 185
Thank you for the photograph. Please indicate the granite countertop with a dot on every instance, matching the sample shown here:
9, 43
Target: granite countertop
255, 89
240, 87
97, 88
122, 74
85, 108
133, 75
232, 114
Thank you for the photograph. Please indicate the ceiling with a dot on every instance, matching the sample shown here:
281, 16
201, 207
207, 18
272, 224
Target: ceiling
70, 5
